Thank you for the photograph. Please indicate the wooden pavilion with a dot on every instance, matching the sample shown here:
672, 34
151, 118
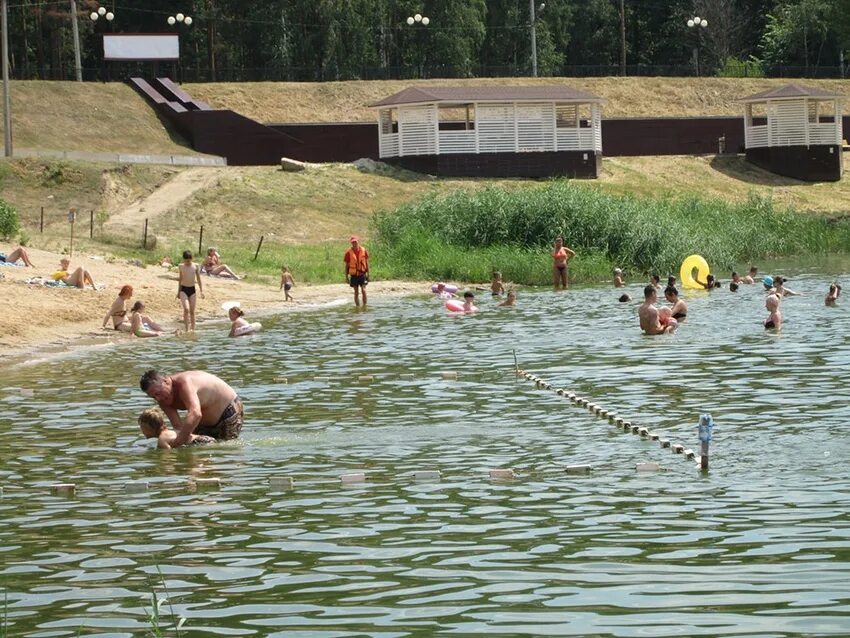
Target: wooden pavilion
795, 131
492, 131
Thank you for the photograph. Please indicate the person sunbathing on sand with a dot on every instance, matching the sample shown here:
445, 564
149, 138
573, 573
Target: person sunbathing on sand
212, 265
79, 278
19, 254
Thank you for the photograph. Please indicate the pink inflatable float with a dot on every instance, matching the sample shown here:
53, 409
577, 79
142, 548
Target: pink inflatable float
447, 287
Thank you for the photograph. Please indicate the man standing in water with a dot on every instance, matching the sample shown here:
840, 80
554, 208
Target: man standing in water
357, 269
648, 313
561, 256
212, 407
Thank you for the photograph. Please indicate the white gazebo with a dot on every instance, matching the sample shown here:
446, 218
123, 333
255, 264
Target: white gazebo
530, 131
795, 131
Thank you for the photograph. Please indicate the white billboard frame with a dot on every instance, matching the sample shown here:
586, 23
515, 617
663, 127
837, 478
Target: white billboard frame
141, 47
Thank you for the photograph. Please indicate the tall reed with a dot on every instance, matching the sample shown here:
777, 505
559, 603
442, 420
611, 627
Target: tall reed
469, 232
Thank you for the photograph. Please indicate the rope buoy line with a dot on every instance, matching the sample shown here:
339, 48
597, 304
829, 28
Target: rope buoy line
609, 415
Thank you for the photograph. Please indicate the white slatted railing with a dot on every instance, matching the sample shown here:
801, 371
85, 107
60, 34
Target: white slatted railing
457, 142
388, 144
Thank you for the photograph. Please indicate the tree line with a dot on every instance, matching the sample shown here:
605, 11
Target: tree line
363, 39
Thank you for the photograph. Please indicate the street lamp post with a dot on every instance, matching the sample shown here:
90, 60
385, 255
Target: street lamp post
534, 35
185, 20
697, 23
424, 21
7, 100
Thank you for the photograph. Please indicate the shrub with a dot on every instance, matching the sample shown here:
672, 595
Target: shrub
9, 222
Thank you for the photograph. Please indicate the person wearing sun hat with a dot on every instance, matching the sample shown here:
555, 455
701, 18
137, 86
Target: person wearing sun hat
356, 261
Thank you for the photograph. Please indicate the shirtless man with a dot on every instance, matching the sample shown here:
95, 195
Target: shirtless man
750, 278
189, 276
212, 407
648, 313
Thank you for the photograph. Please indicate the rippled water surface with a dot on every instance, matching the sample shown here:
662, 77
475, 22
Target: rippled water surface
758, 547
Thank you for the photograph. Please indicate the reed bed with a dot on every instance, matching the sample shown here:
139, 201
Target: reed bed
466, 234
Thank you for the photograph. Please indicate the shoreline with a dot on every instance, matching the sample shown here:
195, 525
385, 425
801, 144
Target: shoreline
53, 321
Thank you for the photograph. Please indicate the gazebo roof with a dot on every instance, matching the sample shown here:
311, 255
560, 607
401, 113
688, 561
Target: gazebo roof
469, 94
790, 92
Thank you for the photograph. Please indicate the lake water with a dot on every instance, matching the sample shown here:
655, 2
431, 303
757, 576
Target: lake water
760, 546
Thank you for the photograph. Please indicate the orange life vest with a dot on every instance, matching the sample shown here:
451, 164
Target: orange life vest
358, 262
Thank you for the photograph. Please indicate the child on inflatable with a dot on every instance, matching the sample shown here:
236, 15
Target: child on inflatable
468, 302
240, 325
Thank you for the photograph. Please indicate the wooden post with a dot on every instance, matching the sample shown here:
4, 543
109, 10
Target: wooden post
516, 366
41, 228
91, 224
145, 240
72, 217
260, 245
201, 240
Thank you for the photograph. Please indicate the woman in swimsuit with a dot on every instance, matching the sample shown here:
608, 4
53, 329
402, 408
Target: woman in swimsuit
18, 254
774, 319
189, 276
561, 256
212, 265
79, 278
679, 309
118, 310
142, 325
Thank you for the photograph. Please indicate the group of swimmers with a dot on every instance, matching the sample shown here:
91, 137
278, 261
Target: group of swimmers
666, 319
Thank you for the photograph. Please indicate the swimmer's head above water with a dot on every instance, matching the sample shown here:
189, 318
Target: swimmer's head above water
152, 422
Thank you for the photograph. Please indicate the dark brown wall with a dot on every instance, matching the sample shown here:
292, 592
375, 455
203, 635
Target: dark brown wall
810, 164
550, 164
343, 142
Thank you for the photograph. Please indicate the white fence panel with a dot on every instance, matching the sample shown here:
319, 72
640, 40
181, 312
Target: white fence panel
388, 144
577, 139
457, 142
417, 128
824, 133
787, 122
756, 136
495, 124
534, 127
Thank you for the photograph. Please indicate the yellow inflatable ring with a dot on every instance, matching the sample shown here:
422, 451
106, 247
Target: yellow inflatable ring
686, 272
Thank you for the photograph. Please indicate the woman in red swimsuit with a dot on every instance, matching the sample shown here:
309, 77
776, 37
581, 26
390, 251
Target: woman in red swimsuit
561, 256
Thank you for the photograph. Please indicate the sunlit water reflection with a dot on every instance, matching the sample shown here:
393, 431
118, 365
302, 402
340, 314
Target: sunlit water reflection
759, 547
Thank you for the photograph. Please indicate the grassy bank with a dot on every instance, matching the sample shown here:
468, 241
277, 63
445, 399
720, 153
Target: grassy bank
465, 235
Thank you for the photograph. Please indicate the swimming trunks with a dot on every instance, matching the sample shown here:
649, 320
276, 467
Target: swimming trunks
358, 280
562, 268
201, 439
287, 287
2, 258
187, 290
229, 424
769, 325
680, 315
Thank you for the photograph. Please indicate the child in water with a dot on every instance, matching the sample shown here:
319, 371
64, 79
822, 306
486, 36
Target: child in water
511, 300
442, 293
152, 425
286, 282
774, 320
239, 325
618, 278
833, 294
665, 318
469, 302
496, 286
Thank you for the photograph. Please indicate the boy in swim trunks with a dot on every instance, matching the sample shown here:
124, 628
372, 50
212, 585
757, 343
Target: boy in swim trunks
496, 285
286, 283
152, 425
189, 276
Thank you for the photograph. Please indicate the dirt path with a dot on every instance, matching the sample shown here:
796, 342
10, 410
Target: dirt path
171, 194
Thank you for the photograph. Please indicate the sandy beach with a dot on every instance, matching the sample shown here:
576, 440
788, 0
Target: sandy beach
40, 317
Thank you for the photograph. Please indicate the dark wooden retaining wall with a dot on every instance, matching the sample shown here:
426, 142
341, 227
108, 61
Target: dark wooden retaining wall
810, 164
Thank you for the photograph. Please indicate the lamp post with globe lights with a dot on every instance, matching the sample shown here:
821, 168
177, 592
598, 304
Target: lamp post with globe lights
424, 21
185, 20
102, 12
698, 24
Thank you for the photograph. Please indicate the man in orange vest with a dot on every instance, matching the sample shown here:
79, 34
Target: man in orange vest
357, 269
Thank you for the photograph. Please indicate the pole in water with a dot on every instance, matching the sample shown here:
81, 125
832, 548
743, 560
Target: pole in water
706, 425
516, 364
201, 240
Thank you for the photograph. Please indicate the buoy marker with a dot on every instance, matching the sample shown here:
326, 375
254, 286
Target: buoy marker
502, 473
